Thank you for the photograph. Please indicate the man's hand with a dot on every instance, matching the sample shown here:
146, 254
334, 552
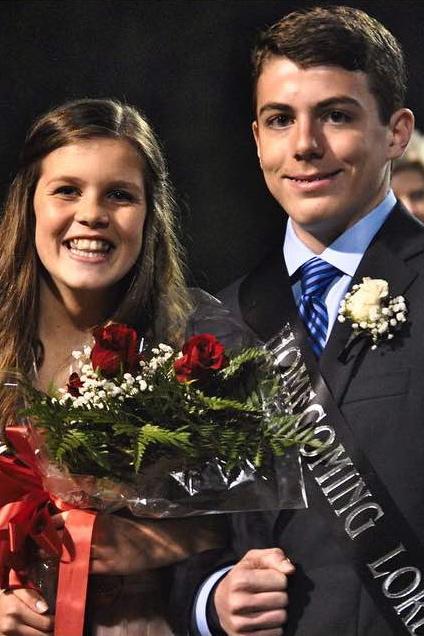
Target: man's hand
122, 546
252, 597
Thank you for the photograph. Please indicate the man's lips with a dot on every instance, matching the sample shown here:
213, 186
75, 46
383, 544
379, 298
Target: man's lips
311, 178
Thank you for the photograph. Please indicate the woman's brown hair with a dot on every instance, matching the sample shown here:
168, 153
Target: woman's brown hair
154, 298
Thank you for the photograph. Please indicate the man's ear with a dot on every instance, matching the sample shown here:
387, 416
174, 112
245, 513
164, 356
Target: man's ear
255, 131
401, 126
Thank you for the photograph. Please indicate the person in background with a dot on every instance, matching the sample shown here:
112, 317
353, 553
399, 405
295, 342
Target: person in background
408, 185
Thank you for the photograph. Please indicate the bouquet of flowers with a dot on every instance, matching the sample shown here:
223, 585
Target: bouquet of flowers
160, 432
165, 432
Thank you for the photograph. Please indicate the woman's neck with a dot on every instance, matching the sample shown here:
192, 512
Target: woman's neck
82, 309
64, 325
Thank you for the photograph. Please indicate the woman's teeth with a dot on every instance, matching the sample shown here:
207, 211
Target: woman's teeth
89, 247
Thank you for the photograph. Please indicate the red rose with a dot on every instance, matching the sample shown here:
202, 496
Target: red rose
115, 350
202, 355
74, 384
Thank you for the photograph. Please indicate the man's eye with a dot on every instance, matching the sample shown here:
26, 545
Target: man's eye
279, 121
121, 196
338, 117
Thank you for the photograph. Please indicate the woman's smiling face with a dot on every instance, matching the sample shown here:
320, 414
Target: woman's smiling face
90, 207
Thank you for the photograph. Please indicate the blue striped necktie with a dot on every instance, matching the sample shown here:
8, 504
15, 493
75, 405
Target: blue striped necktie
316, 276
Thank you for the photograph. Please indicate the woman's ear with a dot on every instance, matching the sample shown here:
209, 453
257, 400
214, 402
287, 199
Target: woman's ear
256, 137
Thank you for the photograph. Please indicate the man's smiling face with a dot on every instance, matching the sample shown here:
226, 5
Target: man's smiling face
324, 151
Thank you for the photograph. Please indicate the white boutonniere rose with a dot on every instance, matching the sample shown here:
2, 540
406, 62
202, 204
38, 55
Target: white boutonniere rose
372, 311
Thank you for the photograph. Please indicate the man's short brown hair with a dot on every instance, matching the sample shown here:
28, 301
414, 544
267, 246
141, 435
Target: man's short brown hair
339, 36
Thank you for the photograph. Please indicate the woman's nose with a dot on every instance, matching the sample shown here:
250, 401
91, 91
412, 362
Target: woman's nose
92, 213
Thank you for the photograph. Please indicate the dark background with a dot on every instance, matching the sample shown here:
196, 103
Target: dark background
186, 65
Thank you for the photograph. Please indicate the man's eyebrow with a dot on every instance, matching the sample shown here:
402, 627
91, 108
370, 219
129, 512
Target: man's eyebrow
282, 108
336, 100
331, 101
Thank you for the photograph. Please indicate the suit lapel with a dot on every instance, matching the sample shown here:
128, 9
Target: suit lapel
266, 298
267, 303
400, 238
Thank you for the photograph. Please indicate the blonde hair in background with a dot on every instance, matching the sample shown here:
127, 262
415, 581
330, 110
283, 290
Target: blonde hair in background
415, 149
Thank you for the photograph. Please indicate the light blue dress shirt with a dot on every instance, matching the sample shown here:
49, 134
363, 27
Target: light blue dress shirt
345, 253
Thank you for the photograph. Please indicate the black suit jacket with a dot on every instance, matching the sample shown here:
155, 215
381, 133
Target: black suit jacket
381, 394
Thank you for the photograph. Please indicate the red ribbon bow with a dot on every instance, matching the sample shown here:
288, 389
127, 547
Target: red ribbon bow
25, 512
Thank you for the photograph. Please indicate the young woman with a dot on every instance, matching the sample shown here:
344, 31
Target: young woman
87, 236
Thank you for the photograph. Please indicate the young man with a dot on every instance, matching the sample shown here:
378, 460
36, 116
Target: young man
329, 120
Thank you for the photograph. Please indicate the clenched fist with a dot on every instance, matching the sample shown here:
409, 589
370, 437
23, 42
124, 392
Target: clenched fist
252, 597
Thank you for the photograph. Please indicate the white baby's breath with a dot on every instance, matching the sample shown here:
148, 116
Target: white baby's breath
97, 392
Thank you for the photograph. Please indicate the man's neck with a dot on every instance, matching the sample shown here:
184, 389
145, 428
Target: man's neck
318, 236
317, 239
346, 250
315, 243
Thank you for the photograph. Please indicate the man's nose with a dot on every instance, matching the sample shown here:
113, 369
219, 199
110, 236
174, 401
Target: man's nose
308, 141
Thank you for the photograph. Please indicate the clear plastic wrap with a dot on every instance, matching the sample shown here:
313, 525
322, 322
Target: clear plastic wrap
166, 487
163, 491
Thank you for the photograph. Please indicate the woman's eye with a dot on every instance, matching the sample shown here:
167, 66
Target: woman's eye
121, 196
338, 117
66, 191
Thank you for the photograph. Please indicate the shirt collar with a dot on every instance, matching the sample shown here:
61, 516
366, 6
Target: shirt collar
347, 250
